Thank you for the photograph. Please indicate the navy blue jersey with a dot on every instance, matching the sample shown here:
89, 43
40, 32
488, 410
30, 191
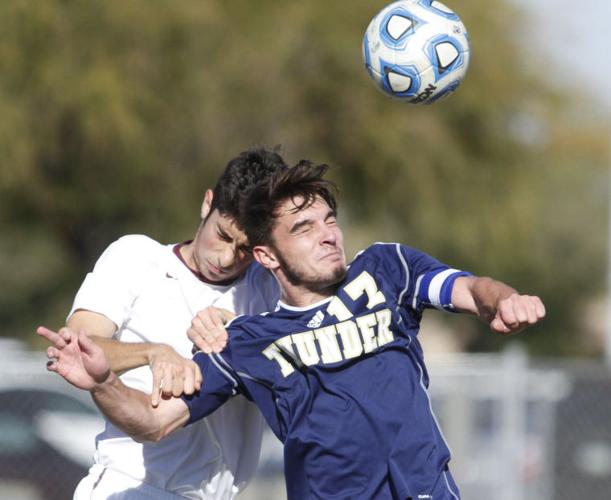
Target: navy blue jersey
342, 383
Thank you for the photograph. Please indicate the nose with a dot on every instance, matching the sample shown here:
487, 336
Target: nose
328, 235
227, 257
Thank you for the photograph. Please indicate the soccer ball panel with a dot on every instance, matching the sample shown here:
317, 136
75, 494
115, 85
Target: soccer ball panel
398, 26
398, 82
441, 7
446, 53
416, 49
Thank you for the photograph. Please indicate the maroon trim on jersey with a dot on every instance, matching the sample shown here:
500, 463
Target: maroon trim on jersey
176, 251
197, 274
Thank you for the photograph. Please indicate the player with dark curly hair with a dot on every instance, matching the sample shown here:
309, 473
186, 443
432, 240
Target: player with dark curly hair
137, 304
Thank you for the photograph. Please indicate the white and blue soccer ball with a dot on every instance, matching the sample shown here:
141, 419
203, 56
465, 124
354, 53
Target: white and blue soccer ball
416, 50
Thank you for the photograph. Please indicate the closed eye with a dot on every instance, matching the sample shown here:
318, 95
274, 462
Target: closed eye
331, 218
301, 227
224, 236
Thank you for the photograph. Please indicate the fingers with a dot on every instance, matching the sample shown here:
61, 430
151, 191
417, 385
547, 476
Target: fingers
192, 379
498, 326
197, 384
517, 312
58, 339
52, 352
87, 345
539, 308
204, 328
188, 383
157, 386
53, 355
179, 380
165, 385
207, 330
200, 342
174, 379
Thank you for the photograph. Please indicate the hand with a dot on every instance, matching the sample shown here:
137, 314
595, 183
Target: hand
208, 331
75, 357
173, 375
516, 312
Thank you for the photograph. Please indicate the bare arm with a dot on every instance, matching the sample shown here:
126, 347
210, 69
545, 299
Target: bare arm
95, 324
121, 356
82, 363
131, 411
497, 304
173, 374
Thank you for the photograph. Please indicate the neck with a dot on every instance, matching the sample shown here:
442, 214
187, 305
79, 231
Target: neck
188, 254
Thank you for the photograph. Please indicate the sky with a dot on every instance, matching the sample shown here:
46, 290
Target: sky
576, 35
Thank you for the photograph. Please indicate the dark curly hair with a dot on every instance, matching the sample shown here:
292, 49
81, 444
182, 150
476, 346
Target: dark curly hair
302, 183
241, 175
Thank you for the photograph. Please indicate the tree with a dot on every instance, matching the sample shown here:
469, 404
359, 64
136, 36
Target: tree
118, 115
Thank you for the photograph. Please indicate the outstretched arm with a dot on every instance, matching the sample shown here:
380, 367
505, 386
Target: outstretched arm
121, 356
497, 304
173, 374
83, 364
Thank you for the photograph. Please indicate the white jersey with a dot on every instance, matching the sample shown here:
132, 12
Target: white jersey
152, 296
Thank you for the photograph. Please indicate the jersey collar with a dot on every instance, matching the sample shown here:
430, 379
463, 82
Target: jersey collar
316, 305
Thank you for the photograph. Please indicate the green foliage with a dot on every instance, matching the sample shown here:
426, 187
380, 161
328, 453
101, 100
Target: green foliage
117, 116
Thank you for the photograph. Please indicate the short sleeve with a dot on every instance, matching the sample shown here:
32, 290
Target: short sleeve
110, 289
428, 282
220, 383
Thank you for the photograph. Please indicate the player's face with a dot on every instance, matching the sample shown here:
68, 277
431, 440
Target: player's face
309, 245
220, 248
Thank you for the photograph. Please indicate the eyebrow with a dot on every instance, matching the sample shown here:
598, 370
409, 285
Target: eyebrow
223, 233
298, 225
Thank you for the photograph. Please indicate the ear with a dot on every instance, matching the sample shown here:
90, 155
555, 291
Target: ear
207, 203
265, 256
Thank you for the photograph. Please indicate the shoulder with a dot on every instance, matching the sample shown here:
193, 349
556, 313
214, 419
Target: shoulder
393, 252
131, 251
380, 250
258, 291
379, 254
134, 246
246, 320
392, 263
134, 243
257, 276
247, 326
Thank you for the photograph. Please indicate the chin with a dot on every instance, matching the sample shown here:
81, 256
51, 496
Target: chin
339, 273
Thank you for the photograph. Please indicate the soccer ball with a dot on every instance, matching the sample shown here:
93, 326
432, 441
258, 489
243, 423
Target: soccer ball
416, 50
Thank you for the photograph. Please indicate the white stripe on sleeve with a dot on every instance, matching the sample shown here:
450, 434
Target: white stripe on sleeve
217, 359
435, 285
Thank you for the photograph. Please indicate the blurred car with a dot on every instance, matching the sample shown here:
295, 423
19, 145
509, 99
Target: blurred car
47, 428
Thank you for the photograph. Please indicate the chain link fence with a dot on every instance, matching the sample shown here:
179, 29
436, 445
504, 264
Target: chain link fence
519, 429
